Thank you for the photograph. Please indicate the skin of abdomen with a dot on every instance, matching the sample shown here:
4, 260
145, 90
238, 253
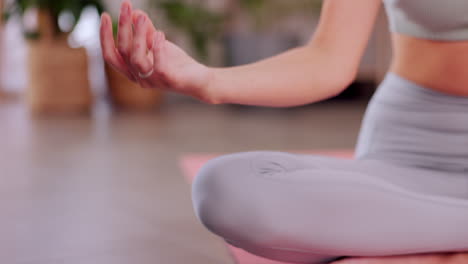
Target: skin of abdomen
438, 65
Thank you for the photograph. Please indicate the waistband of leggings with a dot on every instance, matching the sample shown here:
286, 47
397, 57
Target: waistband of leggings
399, 90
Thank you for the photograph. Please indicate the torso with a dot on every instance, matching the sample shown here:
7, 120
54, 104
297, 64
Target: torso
430, 43
441, 66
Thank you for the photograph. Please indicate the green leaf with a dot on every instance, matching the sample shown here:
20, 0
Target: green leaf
200, 23
55, 7
32, 35
115, 27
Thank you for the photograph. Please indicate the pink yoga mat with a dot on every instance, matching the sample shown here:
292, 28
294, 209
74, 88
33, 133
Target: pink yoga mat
191, 164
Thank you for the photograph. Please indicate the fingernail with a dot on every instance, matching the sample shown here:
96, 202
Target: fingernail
126, 10
129, 11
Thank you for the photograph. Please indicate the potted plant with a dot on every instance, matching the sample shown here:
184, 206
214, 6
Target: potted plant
194, 19
58, 73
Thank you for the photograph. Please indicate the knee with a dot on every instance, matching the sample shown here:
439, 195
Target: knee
222, 198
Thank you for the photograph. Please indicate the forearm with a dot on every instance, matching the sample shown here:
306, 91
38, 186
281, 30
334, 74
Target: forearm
297, 77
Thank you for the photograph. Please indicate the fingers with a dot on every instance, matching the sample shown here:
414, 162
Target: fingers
136, 37
150, 27
159, 41
139, 58
149, 35
110, 53
125, 34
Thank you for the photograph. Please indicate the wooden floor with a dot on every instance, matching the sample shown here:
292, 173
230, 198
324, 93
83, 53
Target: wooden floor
106, 189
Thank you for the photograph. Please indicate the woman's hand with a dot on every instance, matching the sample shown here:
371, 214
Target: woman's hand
420, 259
145, 56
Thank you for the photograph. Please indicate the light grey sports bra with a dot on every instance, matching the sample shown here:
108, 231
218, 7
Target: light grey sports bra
445, 20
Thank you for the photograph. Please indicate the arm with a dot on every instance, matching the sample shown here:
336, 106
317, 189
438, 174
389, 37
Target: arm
319, 70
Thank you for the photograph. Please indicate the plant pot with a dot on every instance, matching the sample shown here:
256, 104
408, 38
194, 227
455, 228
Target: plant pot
129, 95
58, 78
58, 74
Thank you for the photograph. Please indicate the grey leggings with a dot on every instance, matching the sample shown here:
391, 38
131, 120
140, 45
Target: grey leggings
407, 192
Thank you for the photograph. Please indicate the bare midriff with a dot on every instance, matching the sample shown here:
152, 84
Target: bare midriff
438, 65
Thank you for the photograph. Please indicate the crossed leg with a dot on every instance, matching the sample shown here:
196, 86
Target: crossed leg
310, 209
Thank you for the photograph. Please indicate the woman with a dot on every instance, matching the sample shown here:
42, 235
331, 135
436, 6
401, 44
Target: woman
407, 192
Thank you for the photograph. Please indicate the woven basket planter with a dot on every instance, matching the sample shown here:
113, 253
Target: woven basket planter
58, 74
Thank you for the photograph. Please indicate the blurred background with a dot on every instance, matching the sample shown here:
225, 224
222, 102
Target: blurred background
89, 162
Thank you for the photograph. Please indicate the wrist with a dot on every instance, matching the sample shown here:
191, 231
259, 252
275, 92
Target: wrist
210, 92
